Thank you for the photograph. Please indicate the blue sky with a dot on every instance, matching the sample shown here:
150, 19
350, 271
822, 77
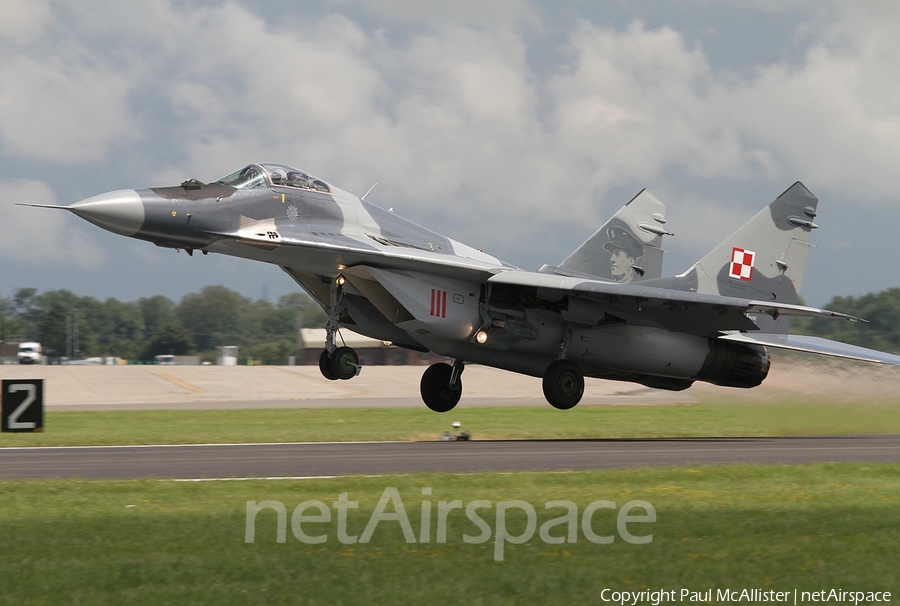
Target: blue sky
516, 127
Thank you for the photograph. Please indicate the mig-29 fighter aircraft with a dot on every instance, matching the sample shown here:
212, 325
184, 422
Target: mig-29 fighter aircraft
604, 312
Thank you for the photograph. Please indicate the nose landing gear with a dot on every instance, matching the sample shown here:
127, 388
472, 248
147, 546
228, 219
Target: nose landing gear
342, 364
345, 363
337, 362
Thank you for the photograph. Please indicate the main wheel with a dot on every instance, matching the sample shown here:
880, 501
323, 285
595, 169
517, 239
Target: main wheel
325, 366
344, 363
563, 384
435, 388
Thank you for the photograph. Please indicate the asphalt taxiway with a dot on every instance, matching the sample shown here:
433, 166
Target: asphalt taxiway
222, 461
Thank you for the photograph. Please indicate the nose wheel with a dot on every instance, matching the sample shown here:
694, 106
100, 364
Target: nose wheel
325, 366
345, 363
563, 384
441, 386
342, 364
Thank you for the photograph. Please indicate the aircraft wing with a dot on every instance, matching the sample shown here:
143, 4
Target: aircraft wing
290, 250
814, 345
647, 305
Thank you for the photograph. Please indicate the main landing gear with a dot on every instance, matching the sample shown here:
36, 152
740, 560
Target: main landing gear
441, 386
337, 362
563, 384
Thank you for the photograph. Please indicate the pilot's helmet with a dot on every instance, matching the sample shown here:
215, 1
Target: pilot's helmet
622, 239
278, 175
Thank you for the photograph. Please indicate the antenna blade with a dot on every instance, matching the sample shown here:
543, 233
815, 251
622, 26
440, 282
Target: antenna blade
369, 192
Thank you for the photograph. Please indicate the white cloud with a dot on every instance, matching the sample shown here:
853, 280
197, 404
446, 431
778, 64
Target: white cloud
631, 102
469, 120
773, 6
458, 11
24, 20
272, 93
43, 235
58, 108
301, 76
836, 118
640, 102
457, 122
460, 132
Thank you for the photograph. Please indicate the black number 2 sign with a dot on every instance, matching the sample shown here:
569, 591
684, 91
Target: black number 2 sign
23, 404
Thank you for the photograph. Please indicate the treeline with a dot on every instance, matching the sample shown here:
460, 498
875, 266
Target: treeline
63, 321
140, 330
882, 331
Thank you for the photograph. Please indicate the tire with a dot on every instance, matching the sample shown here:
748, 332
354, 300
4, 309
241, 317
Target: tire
344, 362
325, 366
563, 384
435, 388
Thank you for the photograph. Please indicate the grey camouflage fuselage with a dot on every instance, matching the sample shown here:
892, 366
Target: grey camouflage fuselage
605, 311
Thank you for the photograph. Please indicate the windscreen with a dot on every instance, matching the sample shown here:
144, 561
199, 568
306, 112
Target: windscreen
249, 177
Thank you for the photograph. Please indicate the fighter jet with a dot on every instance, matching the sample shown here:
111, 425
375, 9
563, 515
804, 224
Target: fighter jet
603, 312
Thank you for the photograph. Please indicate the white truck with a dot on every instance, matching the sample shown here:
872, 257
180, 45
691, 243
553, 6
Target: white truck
30, 353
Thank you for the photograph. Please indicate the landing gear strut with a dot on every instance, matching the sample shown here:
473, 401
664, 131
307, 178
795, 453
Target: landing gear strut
337, 362
441, 386
563, 384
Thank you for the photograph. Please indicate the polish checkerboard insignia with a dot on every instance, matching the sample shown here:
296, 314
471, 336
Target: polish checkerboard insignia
741, 266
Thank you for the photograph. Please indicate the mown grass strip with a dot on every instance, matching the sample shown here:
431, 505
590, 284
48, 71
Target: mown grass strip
303, 425
155, 542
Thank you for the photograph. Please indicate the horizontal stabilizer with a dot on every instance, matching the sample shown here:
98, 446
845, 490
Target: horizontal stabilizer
673, 309
801, 311
816, 345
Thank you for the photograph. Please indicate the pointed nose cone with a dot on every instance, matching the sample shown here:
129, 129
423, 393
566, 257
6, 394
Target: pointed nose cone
121, 212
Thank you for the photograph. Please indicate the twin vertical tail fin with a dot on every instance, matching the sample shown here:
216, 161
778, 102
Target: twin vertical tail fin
765, 258
627, 247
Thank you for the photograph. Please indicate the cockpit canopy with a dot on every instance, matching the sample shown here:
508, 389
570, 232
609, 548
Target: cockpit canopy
269, 174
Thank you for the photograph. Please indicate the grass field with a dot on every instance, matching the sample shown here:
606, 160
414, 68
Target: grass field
809, 527
301, 425
161, 542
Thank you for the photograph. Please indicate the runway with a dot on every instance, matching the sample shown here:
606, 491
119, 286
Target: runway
152, 387
374, 458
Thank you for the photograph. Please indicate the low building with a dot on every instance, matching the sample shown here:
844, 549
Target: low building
9, 353
371, 352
